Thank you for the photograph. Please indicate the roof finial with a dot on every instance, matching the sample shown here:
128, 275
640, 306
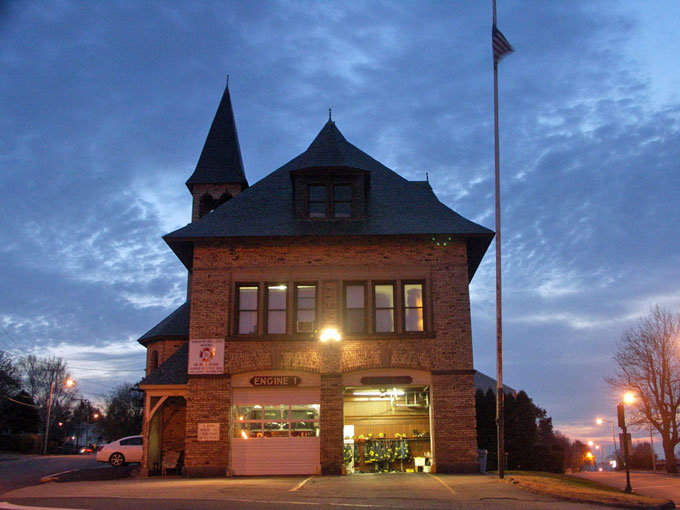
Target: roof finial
427, 176
227, 80
329, 115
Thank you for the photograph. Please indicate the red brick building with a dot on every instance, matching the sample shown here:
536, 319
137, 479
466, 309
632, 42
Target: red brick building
327, 326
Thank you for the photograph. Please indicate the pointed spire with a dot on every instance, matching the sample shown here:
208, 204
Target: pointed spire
220, 161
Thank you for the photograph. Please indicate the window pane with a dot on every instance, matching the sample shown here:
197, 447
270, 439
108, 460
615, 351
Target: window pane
275, 412
306, 291
247, 430
317, 209
276, 322
277, 297
384, 321
384, 296
306, 315
317, 193
343, 193
247, 323
305, 411
354, 321
414, 319
247, 298
304, 429
413, 294
243, 413
354, 296
343, 209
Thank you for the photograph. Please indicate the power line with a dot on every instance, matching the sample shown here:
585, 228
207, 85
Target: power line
16, 345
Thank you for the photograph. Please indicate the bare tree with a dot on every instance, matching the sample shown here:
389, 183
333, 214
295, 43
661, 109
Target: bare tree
38, 374
647, 361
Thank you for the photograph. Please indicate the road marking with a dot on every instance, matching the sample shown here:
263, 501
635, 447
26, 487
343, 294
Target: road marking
299, 486
9, 506
442, 482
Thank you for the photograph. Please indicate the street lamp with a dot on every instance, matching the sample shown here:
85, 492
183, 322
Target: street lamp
69, 383
628, 398
600, 447
600, 421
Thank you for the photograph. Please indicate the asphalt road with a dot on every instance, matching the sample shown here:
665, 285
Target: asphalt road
18, 471
398, 491
657, 485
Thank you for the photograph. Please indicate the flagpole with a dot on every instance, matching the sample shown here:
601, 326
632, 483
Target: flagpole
500, 395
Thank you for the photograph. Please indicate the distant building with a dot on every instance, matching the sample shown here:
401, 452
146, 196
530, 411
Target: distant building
485, 383
332, 243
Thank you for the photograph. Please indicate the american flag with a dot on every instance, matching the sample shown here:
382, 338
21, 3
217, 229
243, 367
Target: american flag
501, 46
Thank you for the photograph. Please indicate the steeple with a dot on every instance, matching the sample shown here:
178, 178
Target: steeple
219, 173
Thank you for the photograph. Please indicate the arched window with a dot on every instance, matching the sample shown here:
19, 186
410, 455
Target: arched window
224, 198
205, 205
154, 360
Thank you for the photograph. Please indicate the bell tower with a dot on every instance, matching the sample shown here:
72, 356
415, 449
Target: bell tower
219, 174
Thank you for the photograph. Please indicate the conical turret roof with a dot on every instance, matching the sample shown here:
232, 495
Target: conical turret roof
220, 160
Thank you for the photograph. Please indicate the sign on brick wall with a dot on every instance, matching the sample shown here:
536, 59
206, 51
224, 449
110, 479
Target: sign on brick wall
208, 431
206, 356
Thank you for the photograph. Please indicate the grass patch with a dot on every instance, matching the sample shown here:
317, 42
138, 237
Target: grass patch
573, 488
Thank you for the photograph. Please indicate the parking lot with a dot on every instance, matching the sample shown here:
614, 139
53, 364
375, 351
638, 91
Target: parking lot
388, 491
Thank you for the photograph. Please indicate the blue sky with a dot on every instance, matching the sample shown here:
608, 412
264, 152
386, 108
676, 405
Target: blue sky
106, 105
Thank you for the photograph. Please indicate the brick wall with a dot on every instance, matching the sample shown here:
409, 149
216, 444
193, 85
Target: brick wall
208, 401
446, 346
164, 347
454, 426
331, 424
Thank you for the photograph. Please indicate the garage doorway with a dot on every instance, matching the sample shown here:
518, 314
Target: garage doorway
387, 429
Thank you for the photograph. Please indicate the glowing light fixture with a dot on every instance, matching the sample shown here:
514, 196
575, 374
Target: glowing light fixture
244, 435
70, 382
629, 398
599, 421
330, 334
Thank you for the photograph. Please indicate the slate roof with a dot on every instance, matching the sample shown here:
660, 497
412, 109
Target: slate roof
395, 206
220, 160
172, 371
175, 325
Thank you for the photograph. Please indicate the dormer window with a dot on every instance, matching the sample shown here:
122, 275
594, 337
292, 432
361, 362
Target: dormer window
318, 201
342, 201
324, 205
330, 193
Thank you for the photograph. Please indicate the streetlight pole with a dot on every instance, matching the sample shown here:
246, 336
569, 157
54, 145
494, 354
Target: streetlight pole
651, 443
621, 411
600, 421
69, 383
48, 412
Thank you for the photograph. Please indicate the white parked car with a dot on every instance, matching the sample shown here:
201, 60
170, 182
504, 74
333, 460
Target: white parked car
127, 449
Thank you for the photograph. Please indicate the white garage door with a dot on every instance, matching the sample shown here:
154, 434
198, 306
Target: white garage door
275, 431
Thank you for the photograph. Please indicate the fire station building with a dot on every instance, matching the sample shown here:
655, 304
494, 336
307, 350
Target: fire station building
327, 325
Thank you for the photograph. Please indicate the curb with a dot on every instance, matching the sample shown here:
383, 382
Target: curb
668, 505
91, 474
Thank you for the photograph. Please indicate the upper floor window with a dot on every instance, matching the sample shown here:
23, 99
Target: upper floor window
318, 201
336, 204
277, 298
355, 308
247, 299
414, 317
383, 298
342, 201
305, 313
